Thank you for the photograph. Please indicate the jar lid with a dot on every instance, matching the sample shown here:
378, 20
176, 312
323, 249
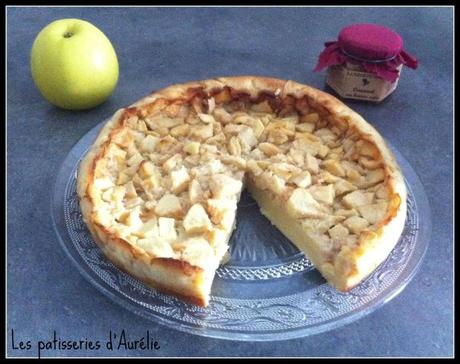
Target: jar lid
370, 42
378, 49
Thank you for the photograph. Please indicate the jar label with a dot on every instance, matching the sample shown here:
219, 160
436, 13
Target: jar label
353, 83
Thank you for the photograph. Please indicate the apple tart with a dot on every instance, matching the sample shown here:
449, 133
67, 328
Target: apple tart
160, 186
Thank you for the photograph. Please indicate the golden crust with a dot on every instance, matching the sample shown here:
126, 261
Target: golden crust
351, 267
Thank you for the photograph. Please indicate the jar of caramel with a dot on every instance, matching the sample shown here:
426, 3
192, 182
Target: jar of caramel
365, 62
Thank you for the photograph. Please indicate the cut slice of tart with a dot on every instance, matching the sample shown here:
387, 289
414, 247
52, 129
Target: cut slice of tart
160, 186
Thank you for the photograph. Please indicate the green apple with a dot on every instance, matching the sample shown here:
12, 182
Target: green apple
74, 64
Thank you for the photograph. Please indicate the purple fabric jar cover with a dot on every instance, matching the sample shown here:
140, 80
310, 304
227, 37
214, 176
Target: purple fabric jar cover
377, 49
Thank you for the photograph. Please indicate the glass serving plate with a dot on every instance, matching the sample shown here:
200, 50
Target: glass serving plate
268, 290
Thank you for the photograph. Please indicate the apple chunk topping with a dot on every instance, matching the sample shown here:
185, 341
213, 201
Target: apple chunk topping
302, 204
338, 232
168, 205
356, 224
223, 185
196, 220
358, 198
373, 213
323, 194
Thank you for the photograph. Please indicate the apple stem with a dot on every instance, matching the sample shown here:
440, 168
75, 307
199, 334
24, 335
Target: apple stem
68, 35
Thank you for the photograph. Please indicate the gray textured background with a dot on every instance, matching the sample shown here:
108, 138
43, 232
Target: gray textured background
160, 46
